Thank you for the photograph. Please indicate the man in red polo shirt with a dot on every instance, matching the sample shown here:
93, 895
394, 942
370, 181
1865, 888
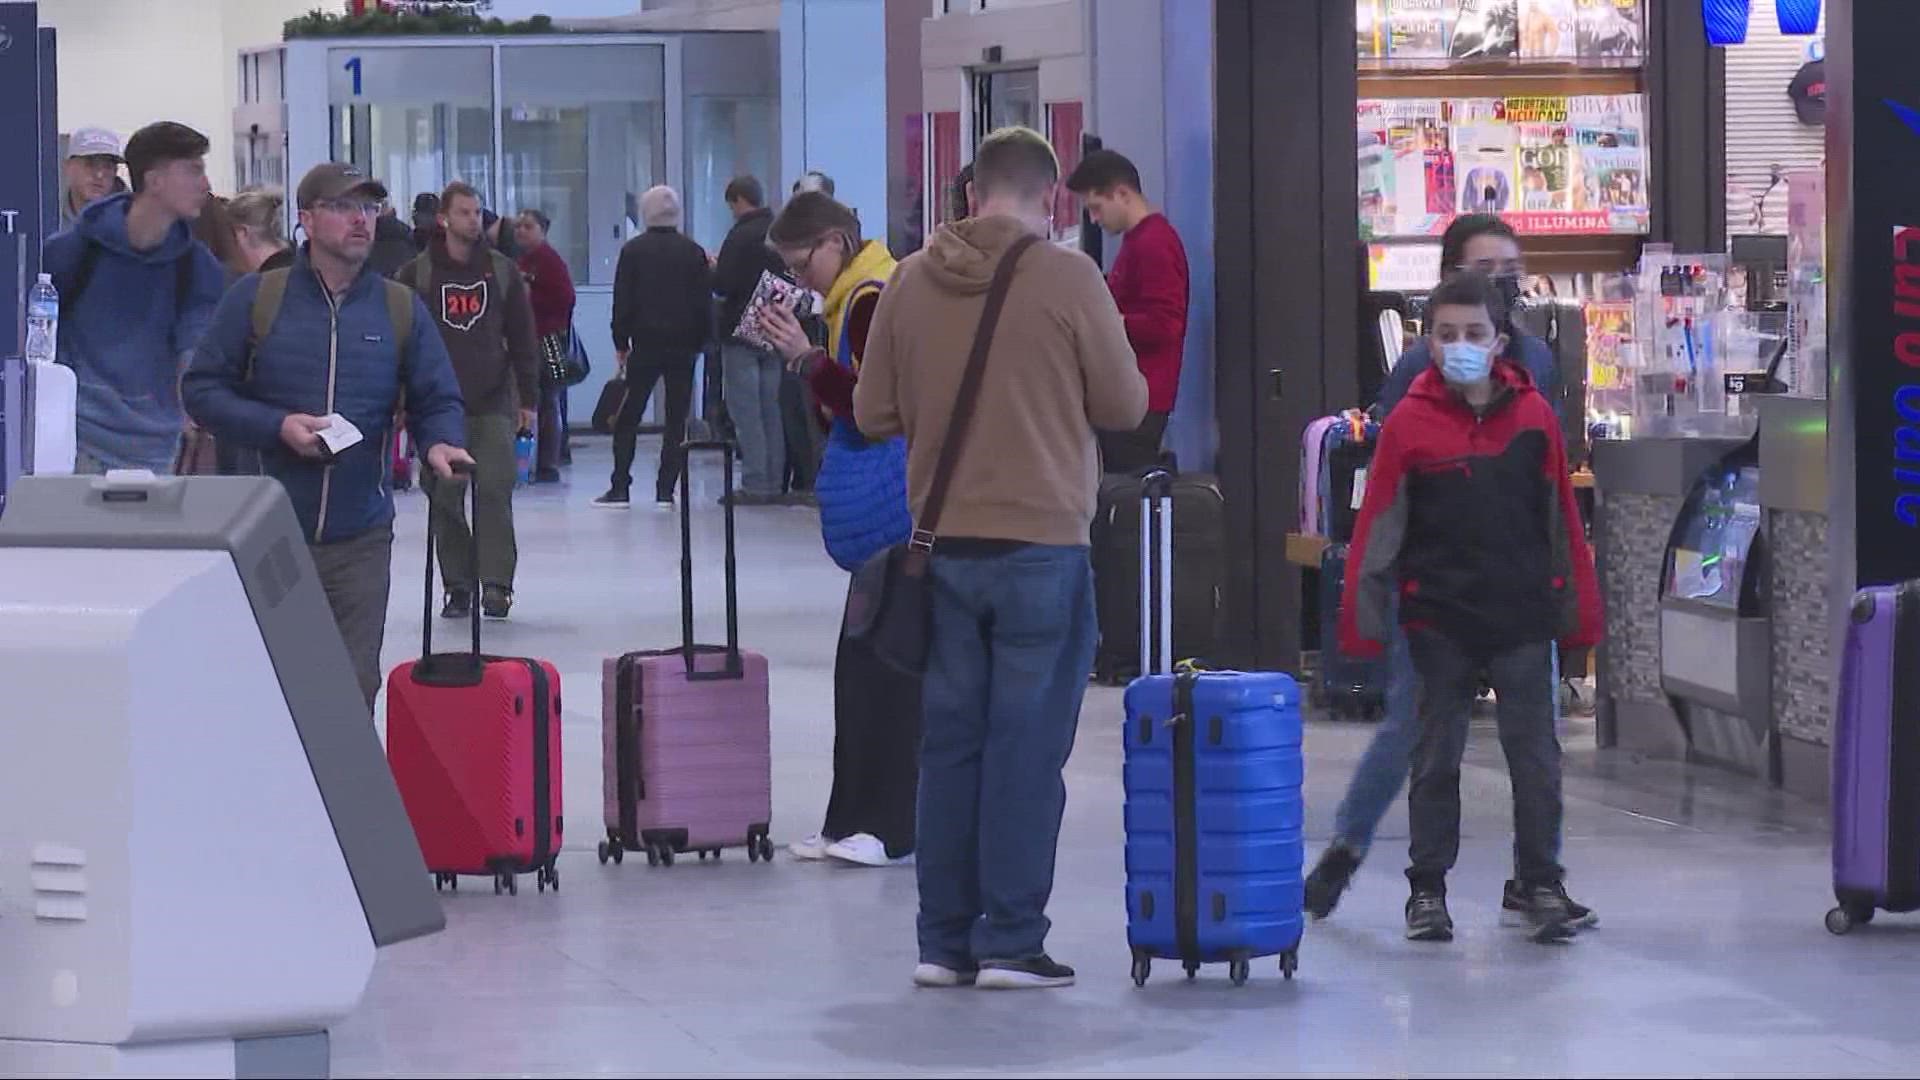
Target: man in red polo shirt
1149, 283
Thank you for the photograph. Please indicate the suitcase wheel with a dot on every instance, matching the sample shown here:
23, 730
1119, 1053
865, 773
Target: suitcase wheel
1238, 969
548, 876
1142, 967
1289, 963
507, 883
1845, 917
759, 845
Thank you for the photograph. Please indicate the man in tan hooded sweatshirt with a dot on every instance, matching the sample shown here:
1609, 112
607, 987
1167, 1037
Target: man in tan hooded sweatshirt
1013, 614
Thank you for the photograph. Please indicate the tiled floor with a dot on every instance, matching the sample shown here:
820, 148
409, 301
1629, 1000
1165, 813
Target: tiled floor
1710, 960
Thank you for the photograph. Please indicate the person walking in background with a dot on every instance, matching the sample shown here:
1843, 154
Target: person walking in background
90, 171
259, 229
752, 376
332, 346
392, 243
863, 510
1149, 282
550, 283
214, 228
1013, 626
479, 302
136, 292
1470, 543
662, 310
1486, 244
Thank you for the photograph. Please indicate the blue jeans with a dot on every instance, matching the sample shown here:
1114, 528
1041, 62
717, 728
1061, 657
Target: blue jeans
1388, 759
1013, 640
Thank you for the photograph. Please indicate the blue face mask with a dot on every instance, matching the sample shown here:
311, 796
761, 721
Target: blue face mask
1464, 362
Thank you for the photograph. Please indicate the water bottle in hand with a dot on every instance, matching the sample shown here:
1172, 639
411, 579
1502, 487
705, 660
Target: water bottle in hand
43, 321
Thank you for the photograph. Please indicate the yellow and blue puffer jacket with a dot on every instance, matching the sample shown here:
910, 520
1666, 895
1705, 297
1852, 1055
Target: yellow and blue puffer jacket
862, 486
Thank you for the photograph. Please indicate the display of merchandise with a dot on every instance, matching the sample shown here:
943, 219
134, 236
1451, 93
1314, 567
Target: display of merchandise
1550, 165
1499, 30
1805, 372
43, 321
1612, 359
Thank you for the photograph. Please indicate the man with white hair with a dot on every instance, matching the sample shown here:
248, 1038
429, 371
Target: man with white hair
662, 307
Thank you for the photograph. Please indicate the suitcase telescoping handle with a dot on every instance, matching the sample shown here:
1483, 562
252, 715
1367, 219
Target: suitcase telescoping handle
734, 669
439, 670
1156, 573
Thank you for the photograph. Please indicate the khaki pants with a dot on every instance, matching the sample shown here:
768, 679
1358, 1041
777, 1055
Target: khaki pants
490, 441
356, 575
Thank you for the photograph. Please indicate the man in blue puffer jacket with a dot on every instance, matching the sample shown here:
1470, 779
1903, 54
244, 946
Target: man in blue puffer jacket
328, 337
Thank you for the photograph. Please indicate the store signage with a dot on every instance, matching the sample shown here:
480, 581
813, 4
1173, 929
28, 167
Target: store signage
1875, 241
1905, 456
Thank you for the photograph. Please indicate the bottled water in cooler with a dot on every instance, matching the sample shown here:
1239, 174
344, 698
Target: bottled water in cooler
43, 322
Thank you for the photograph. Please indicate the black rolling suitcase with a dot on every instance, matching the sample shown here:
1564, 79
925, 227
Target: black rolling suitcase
1199, 543
1346, 686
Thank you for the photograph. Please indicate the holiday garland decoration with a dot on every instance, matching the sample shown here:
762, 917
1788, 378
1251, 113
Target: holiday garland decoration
415, 20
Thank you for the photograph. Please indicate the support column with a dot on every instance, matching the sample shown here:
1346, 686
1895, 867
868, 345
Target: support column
1288, 266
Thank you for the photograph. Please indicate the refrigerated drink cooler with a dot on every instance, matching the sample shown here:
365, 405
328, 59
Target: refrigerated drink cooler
1715, 628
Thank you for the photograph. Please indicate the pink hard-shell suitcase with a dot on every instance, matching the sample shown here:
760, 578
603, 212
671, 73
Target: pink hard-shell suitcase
688, 761
1312, 446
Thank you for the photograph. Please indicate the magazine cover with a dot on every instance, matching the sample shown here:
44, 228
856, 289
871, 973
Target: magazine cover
1484, 159
1611, 29
1607, 121
1546, 168
1549, 30
1485, 29
772, 290
1403, 156
1614, 181
1370, 29
1417, 29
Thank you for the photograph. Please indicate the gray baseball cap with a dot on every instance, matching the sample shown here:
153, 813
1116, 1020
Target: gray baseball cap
94, 142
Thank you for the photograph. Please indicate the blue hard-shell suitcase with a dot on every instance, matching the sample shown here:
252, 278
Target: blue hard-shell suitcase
1213, 814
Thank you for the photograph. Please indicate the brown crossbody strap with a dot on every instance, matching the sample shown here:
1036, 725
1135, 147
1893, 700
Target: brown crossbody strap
969, 395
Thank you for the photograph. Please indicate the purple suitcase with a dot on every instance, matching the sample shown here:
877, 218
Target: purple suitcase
1876, 759
688, 762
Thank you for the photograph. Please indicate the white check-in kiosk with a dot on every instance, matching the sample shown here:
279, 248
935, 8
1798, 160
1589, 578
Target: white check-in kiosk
201, 845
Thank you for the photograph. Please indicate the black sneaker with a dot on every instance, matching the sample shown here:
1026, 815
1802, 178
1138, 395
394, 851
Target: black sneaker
1026, 973
496, 601
1514, 909
1547, 912
1427, 918
613, 500
1329, 880
459, 604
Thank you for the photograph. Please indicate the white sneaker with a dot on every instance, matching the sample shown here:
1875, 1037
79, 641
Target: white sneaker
813, 848
865, 849
941, 977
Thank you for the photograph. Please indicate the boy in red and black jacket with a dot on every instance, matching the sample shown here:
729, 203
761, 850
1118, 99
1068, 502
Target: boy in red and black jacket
1470, 520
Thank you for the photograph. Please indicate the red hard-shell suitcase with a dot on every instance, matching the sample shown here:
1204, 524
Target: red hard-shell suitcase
688, 764
474, 745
